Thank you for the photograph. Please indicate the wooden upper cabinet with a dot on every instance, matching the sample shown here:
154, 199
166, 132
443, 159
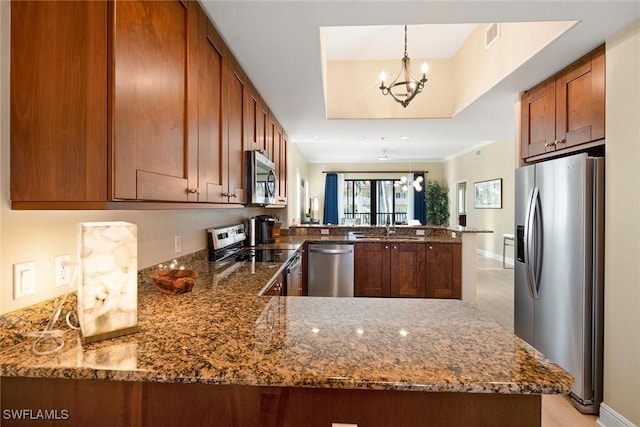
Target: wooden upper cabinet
264, 139
235, 84
58, 103
114, 103
407, 270
153, 137
277, 153
211, 51
567, 110
444, 270
580, 101
372, 270
538, 108
252, 126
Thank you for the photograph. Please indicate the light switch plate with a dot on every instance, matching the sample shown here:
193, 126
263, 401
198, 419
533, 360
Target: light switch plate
24, 279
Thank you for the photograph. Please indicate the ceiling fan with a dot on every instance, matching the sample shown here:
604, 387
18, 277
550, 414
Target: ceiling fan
383, 156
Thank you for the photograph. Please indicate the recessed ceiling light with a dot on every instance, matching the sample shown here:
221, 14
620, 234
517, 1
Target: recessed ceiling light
316, 139
363, 138
405, 138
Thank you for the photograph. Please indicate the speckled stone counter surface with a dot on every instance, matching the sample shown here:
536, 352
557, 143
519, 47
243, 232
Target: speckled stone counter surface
223, 333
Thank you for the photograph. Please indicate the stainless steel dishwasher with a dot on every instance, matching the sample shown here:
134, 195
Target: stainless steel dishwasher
330, 270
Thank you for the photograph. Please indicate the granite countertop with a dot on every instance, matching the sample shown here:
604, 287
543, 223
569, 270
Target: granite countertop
223, 333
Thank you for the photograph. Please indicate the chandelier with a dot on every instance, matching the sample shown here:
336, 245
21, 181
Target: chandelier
404, 184
404, 91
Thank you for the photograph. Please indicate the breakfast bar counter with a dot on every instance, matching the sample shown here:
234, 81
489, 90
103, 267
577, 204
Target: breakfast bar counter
224, 350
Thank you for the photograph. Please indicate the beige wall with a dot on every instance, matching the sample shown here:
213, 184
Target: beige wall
41, 235
622, 237
495, 160
480, 69
296, 200
316, 175
352, 87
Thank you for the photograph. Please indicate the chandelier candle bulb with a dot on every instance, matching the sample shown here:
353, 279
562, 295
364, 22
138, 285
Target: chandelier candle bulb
424, 69
383, 77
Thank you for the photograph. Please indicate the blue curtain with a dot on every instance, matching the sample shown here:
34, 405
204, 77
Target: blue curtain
330, 213
419, 207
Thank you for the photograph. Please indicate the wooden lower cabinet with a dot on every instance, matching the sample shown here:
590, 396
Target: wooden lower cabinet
432, 270
407, 270
136, 404
372, 271
444, 270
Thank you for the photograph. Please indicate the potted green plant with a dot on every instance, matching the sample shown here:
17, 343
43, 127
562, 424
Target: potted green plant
437, 203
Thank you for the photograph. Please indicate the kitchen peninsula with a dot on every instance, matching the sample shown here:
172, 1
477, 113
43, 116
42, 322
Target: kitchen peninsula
222, 355
465, 236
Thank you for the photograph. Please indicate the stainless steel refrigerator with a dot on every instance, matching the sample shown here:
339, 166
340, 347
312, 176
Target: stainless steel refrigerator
558, 307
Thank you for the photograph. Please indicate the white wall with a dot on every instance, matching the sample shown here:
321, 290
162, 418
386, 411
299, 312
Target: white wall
495, 160
622, 224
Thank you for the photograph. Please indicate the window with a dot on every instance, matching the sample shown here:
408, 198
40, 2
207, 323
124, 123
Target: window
374, 202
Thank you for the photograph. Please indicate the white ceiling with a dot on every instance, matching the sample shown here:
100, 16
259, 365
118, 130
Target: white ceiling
435, 41
278, 45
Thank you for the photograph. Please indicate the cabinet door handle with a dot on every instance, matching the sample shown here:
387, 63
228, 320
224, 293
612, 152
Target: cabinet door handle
551, 144
386, 246
225, 194
194, 190
430, 247
558, 141
395, 247
233, 195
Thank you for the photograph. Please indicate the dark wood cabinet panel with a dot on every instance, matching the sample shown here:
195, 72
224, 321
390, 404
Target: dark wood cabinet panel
408, 270
236, 84
154, 404
152, 139
252, 119
372, 270
567, 111
264, 129
538, 115
444, 270
210, 113
580, 101
58, 101
391, 270
122, 102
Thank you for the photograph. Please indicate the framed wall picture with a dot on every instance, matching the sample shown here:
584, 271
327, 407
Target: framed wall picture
488, 194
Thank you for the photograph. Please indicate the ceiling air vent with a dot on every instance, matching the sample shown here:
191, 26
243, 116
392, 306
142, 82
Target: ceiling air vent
491, 35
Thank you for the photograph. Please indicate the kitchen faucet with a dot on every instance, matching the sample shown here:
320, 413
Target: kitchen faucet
389, 229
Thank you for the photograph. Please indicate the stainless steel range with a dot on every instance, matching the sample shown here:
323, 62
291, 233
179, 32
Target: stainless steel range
228, 243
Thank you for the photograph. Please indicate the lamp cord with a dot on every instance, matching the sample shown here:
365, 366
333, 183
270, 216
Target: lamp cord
49, 335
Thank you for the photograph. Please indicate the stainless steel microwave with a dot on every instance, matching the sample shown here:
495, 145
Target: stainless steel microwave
261, 179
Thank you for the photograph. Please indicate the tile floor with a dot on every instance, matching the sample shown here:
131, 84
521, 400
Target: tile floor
495, 298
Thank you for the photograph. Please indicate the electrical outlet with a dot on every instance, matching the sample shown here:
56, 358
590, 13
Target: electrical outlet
178, 244
62, 270
324, 231
419, 232
24, 279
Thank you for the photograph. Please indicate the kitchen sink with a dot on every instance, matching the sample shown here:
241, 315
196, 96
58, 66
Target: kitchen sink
392, 237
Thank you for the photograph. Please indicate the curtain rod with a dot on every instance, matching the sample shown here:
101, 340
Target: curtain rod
403, 171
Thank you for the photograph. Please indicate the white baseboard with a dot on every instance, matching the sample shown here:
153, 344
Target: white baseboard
498, 257
610, 418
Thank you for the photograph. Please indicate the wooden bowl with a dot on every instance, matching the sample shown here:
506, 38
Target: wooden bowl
173, 282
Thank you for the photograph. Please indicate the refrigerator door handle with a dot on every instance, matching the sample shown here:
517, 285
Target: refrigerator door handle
529, 243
